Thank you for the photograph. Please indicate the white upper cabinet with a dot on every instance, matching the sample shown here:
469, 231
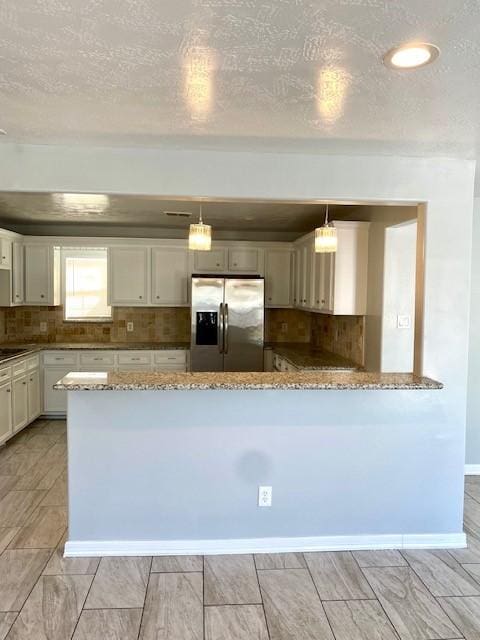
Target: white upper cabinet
278, 277
334, 283
170, 276
18, 293
5, 253
42, 274
210, 261
244, 260
128, 273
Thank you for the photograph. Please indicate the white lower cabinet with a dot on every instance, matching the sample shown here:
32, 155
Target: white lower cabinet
5, 411
20, 397
19, 403
58, 363
54, 401
33, 395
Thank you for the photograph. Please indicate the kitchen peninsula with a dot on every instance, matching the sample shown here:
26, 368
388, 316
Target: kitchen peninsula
184, 455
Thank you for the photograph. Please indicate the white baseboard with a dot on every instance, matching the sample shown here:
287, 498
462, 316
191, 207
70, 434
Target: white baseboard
93, 548
472, 469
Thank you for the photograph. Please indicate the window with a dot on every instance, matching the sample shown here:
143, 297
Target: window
85, 285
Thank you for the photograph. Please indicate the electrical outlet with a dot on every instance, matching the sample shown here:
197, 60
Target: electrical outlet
43, 327
284, 327
264, 496
130, 326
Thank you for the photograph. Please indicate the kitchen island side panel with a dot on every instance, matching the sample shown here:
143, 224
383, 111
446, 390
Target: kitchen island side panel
186, 465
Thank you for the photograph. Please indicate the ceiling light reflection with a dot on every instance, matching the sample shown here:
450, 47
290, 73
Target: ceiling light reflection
332, 86
199, 67
81, 203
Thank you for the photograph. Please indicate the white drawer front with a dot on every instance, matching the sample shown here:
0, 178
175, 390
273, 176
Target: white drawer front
19, 367
5, 374
60, 358
170, 357
135, 357
97, 359
169, 367
33, 363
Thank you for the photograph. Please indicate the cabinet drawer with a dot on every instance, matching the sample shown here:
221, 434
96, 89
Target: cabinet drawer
97, 358
19, 367
170, 357
170, 367
5, 374
33, 363
135, 358
57, 357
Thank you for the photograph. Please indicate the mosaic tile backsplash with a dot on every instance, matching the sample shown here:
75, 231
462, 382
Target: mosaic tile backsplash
343, 335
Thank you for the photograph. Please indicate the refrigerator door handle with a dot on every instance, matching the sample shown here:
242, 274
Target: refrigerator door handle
221, 328
225, 328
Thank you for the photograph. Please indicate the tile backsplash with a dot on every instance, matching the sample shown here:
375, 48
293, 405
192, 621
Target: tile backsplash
287, 325
343, 335
22, 324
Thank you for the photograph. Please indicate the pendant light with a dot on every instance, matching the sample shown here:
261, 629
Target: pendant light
200, 235
326, 237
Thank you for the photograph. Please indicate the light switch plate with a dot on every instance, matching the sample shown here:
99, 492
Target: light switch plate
43, 327
404, 322
130, 326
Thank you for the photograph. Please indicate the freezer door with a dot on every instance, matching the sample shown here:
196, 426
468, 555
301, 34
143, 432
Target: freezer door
243, 317
206, 347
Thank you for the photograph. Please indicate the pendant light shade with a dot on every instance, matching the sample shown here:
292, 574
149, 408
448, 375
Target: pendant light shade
200, 235
326, 237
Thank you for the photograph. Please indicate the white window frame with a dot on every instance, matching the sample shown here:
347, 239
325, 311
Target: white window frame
81, 252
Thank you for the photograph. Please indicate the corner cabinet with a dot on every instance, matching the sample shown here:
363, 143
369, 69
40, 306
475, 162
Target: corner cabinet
42, 274
128, 274
170, 276
333, 283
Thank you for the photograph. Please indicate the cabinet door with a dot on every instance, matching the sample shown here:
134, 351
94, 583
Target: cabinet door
38, 274
170, 273
213, 260
33, 386
323, 285
5, 411
277, 278
128, 273
54, 401
5, 253
301, 282
19, 403
17, 273
243, 260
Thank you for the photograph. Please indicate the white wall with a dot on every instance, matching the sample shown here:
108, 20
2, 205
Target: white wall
399, 297
473, 407
446, 185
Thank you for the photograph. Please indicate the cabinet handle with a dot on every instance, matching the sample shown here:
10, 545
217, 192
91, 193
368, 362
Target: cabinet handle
318, 301
140, 297
24, 382
8, 390
42, 295
134, 359
31, 379
158, 297
235, 264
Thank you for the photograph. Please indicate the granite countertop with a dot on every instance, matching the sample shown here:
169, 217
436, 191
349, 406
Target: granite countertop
28, 349
305, 357
146, 381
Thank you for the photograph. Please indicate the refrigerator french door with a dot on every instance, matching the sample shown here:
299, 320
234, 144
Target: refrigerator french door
227, 324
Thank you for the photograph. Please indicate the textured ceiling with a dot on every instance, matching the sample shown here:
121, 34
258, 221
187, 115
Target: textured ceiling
289, 74
19, 210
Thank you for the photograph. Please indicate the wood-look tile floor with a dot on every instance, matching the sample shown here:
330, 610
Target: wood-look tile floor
363, 595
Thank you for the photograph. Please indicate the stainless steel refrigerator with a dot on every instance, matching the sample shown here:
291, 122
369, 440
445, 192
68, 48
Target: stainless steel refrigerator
227, 324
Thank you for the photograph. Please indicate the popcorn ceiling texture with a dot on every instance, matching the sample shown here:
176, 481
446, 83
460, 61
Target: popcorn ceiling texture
342, 335
22, 324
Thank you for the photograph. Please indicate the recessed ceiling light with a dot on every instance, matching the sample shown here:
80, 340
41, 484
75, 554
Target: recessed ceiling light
411, 56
